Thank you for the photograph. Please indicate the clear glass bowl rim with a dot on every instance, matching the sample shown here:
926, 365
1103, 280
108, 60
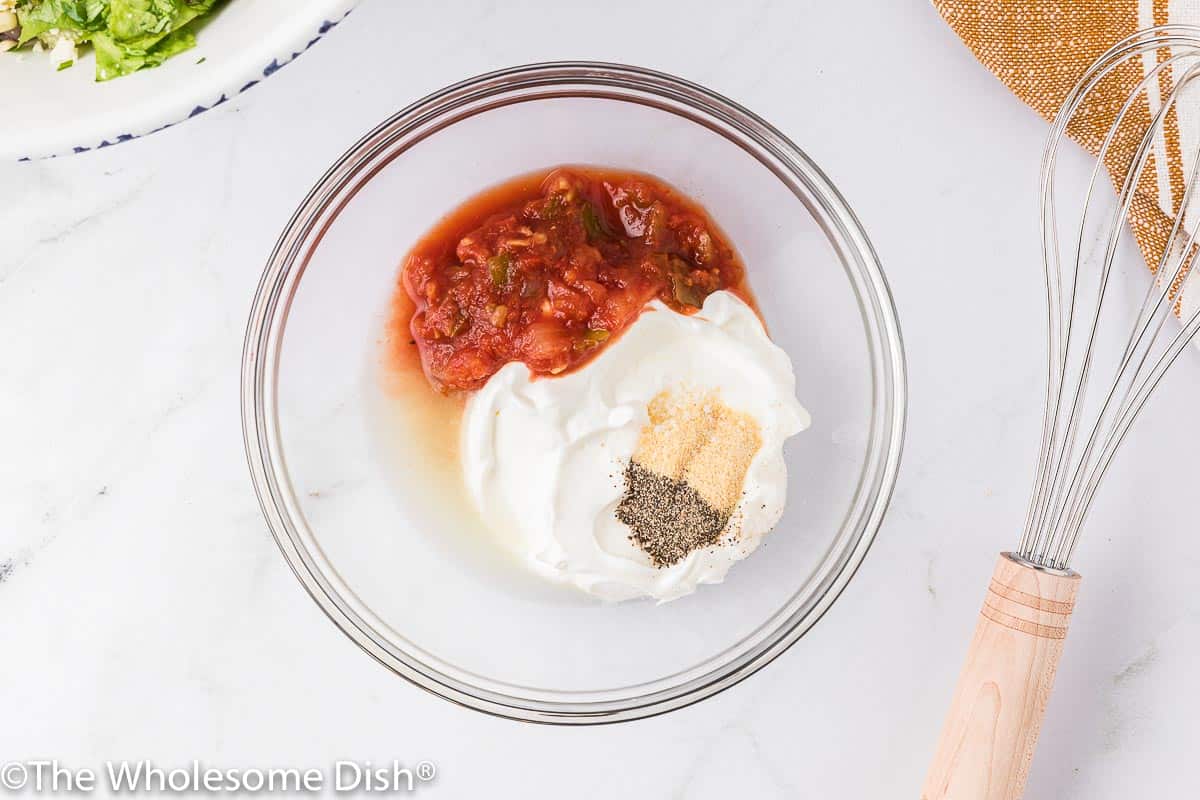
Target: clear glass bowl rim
389, 140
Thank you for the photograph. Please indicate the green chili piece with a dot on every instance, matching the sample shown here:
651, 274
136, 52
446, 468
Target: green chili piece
498, 265
592, 337
593, 223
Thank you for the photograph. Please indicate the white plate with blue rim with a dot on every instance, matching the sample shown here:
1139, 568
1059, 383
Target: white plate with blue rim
55, 113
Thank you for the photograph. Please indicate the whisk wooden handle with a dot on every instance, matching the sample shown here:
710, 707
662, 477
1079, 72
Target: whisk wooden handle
988, 738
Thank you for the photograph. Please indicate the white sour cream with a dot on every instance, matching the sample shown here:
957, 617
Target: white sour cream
543, 458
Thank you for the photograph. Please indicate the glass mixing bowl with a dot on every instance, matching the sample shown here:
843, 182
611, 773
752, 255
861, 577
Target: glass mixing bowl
344, 490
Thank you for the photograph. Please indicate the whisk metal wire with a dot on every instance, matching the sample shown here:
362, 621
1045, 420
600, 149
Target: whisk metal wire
1068, 473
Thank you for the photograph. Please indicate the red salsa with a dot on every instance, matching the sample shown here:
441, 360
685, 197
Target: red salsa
548, 268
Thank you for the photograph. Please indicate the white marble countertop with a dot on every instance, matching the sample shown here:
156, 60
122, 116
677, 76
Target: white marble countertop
146, 613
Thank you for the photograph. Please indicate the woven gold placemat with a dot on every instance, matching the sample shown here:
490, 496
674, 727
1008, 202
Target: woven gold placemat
1040, 48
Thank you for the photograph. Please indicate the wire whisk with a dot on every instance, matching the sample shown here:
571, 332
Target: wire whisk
1101, 370
1076, 451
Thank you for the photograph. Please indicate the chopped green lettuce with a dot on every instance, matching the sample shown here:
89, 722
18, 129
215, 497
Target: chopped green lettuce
76, 18
127, 35
115, 58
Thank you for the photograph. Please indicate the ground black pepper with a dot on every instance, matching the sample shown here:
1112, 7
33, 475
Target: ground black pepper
667, 517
